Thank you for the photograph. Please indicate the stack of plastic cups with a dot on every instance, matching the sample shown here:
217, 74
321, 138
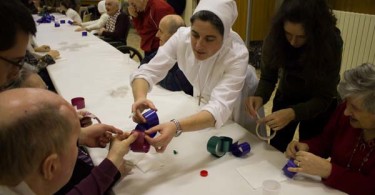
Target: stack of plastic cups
141, 145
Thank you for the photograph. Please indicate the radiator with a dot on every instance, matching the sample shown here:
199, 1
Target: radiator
358, 34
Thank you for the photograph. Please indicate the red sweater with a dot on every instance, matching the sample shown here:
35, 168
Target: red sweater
338, 141
147, 23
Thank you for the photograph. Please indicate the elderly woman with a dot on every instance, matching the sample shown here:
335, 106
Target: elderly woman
348, 138
213, 59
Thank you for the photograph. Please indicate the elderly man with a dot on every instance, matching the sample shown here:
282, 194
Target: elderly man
38, 140
175, 79
146, 16
348, 138
14, 40
118, 24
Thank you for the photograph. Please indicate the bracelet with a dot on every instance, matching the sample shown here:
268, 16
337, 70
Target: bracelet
178, 127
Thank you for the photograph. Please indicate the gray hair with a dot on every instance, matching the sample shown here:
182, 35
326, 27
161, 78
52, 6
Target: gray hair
360, 82
27, 141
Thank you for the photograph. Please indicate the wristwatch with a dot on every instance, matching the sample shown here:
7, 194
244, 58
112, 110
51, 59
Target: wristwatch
178, 127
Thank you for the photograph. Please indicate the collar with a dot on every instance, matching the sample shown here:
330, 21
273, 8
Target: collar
21, 188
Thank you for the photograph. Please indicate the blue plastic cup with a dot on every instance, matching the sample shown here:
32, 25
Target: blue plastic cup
290, 163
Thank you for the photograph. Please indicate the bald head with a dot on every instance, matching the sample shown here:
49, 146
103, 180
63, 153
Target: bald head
18, 103
34, 123
168, 25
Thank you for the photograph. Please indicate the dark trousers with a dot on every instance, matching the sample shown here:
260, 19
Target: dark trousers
307, 128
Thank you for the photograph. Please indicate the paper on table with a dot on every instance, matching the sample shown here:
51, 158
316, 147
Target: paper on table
256, 173
149, 162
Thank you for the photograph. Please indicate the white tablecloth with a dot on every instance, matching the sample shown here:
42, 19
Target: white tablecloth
92, 69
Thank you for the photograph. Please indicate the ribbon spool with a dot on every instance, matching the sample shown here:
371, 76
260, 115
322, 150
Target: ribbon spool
262, 132
141, 145
287, 173
219, 146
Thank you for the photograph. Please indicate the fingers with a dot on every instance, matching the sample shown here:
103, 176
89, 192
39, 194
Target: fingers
251, 107
151, 106
114, 130
132, 137
159, 142
152, 130
294, 169
160, 149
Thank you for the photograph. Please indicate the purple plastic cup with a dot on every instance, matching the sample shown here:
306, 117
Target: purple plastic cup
78, 102
140, 144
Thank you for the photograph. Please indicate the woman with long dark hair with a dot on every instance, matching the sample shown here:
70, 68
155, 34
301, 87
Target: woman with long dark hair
303, 49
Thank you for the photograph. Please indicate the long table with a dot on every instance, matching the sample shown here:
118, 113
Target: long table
93, 69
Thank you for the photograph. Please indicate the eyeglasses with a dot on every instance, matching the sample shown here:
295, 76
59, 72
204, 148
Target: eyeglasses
19, 64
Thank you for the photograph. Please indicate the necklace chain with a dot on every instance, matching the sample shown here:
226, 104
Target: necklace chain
361, 142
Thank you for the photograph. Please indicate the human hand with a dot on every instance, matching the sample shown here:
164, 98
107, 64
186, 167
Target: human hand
42, 48
279, 119
167, 132
79, 29
311, 164
100, 31
132, 11
139, 106
54, 54
97, 135
294, 147
253, 103
119, 147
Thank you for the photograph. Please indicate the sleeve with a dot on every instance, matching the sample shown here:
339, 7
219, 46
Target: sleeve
228, 90
100, 23
86, 24
158, 67
268, 75
99, 180
137, 22
325, 90
121, 28
44, 61
321, 145
351, 182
